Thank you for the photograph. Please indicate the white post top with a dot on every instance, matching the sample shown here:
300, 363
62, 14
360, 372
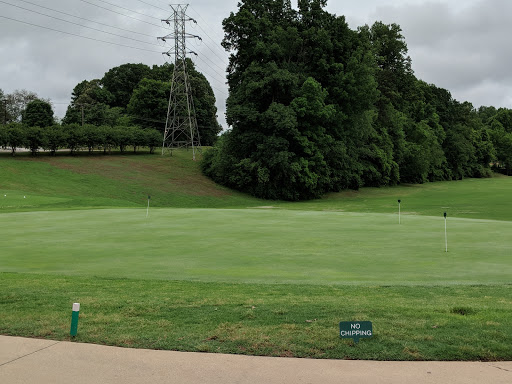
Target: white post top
76, 307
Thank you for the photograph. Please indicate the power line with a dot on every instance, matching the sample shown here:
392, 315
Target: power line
129, 10
74, 34
220, 58
81, 25
206, 23
213, 62
91, 21
122, 14
213, 69
152, 5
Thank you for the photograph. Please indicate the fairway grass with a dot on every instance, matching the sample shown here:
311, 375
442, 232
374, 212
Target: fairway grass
213, 270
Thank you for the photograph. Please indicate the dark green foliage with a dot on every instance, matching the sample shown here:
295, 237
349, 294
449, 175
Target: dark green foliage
75, 138
122, 80
317, 107
149, 103
34, 139
56, 138
90, 104
136, 94
500, 133
15, 137
39, 113
153, 139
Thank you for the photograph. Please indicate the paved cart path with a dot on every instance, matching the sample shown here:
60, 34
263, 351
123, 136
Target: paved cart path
45, 361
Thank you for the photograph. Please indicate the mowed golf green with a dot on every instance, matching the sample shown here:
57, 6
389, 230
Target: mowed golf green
257, 246
209, 269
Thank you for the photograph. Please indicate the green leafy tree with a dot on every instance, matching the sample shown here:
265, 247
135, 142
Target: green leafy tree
76, 137
4, 136
35, 138
39, 113
3, 107
149, 102
90, 104
122, 80
161, 72
16, 137
502, 142
152, 139
93, 136
56, 138
287, 140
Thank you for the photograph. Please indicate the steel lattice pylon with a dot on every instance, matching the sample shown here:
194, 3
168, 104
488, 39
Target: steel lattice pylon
181, 128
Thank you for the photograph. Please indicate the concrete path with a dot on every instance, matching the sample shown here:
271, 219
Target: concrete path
45, 361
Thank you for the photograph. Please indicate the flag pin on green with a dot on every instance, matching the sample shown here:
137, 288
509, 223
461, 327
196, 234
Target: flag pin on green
74, 319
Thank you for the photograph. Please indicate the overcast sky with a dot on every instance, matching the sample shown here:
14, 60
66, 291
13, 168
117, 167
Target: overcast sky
462, 46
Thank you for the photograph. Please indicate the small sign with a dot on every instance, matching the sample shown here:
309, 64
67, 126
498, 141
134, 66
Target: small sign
356, 330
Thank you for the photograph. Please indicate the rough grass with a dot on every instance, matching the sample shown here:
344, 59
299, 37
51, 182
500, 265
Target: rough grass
420, 323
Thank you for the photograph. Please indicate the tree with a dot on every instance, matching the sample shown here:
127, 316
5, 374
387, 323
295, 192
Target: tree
153, 139
502, 140
16, 137
4, 136
39, 113
301, 103
149, 102
204, 104
3, 106
76, 137
15, 103
90, 104
122, 80
56, 138
34, 138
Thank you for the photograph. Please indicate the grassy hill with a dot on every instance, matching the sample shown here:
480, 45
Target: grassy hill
214, 270
98, 181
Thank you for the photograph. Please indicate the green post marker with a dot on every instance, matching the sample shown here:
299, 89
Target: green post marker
74, 319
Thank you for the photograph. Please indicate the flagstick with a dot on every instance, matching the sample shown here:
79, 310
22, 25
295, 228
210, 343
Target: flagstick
399, 201
445, 234
147, 210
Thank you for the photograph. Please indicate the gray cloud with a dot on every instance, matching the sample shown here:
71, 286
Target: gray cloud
460, 46
465, 50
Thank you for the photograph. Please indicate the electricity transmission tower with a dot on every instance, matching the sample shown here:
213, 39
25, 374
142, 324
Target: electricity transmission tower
181, 124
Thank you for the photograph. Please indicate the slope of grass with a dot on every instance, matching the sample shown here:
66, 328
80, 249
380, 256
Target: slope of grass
87, 181
469, 198
99, 181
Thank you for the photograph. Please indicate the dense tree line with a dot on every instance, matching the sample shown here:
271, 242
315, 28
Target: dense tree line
318, 107
76, 137
125, 108
137, 94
